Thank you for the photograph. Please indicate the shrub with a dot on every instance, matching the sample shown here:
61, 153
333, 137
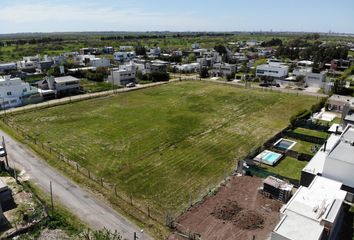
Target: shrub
303, 114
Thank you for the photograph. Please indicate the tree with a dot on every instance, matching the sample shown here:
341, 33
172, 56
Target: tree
220, 49
192, 57
300, 81
140, 50
204, 73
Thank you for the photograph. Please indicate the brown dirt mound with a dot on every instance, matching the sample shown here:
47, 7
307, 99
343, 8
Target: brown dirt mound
226, 211
249, 219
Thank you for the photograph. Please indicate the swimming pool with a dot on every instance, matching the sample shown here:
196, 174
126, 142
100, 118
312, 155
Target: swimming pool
268, 157
284, 144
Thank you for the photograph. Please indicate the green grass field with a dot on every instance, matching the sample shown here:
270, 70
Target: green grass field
163, 144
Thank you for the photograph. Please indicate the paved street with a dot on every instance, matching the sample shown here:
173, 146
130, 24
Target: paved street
82, 203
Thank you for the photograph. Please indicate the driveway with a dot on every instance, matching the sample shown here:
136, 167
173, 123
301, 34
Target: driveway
79, 201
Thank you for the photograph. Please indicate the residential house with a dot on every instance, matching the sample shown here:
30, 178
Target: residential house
124, 56
336, 102
313, 213
108, 50
154, 52
6, 67
191, 67
14, 92
58, 86
100, 62
195, 46
338, 65
123, 75
335, 161
275, 71
316, 80
223, 69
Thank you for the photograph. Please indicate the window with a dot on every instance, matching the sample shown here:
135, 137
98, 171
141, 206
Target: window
9, 93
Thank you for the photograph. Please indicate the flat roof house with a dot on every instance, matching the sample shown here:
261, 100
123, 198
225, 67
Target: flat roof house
276, 71
336, 102
4, 67
223, 69
313, 213
14, 92
59, 86
123, 75
334, 160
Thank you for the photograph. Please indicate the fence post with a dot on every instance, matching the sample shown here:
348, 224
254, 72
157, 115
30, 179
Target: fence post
102, 182
131, 200
77, 167
115, 190
89, 174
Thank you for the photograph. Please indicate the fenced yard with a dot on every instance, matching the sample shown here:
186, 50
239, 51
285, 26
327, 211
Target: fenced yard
161, 147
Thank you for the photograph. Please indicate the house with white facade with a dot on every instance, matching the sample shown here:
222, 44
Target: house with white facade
276, 71
190, 67
4, 67
123, 75
100, 62
14, 92
334, 160
58, 86
316, 80
124, 56
313, 213
223, 69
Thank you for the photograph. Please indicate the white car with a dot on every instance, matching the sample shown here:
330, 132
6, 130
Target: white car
2, 151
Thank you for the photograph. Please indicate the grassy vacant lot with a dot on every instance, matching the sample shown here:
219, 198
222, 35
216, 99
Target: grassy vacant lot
166, 143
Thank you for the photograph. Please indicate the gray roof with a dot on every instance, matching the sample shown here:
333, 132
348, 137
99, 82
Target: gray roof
66, 79
344, 150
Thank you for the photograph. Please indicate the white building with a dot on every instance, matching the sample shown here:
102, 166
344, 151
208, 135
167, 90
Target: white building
335, 160
276, 71
123, 75
223, 69
124, 56
100, 62
59, 86
316, 80
313, 213
7, 67
14, 92
191, 67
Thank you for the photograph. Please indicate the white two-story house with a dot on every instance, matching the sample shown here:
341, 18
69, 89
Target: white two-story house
14, 92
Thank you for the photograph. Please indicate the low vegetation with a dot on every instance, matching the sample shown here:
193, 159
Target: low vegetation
166, 144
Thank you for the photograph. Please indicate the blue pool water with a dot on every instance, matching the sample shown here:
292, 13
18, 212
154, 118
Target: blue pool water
271, 157
284, 144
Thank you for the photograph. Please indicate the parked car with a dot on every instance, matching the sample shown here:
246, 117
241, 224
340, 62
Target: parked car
130, 85
264, 84
2, 151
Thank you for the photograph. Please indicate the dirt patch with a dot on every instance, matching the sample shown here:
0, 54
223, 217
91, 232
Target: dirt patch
237, 211
249, 219
227, 211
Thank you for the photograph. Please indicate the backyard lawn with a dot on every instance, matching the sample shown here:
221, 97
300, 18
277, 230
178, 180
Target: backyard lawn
310, 132
288, 167
163, 144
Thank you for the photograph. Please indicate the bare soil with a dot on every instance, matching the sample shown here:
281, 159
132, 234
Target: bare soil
237, 211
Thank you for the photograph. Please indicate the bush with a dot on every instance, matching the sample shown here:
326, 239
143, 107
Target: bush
303, 114
318, 106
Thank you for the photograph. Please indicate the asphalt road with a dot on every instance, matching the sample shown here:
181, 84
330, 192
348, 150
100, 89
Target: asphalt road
79, 201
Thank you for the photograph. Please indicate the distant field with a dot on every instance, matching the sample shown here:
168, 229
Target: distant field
166, 143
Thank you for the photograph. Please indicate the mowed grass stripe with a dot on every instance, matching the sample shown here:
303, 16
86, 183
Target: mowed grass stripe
162, 144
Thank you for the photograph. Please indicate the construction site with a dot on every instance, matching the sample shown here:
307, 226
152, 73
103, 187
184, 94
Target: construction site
238, 210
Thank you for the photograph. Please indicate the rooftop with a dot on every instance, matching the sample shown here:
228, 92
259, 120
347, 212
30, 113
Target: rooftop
341, 98
344, 150
66, 79
304, 213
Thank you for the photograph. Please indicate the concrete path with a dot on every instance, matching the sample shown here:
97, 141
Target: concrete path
79, 201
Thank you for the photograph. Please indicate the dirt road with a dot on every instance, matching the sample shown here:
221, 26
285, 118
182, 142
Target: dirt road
79, 201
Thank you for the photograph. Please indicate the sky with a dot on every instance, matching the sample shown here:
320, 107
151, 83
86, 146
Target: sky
178, 15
